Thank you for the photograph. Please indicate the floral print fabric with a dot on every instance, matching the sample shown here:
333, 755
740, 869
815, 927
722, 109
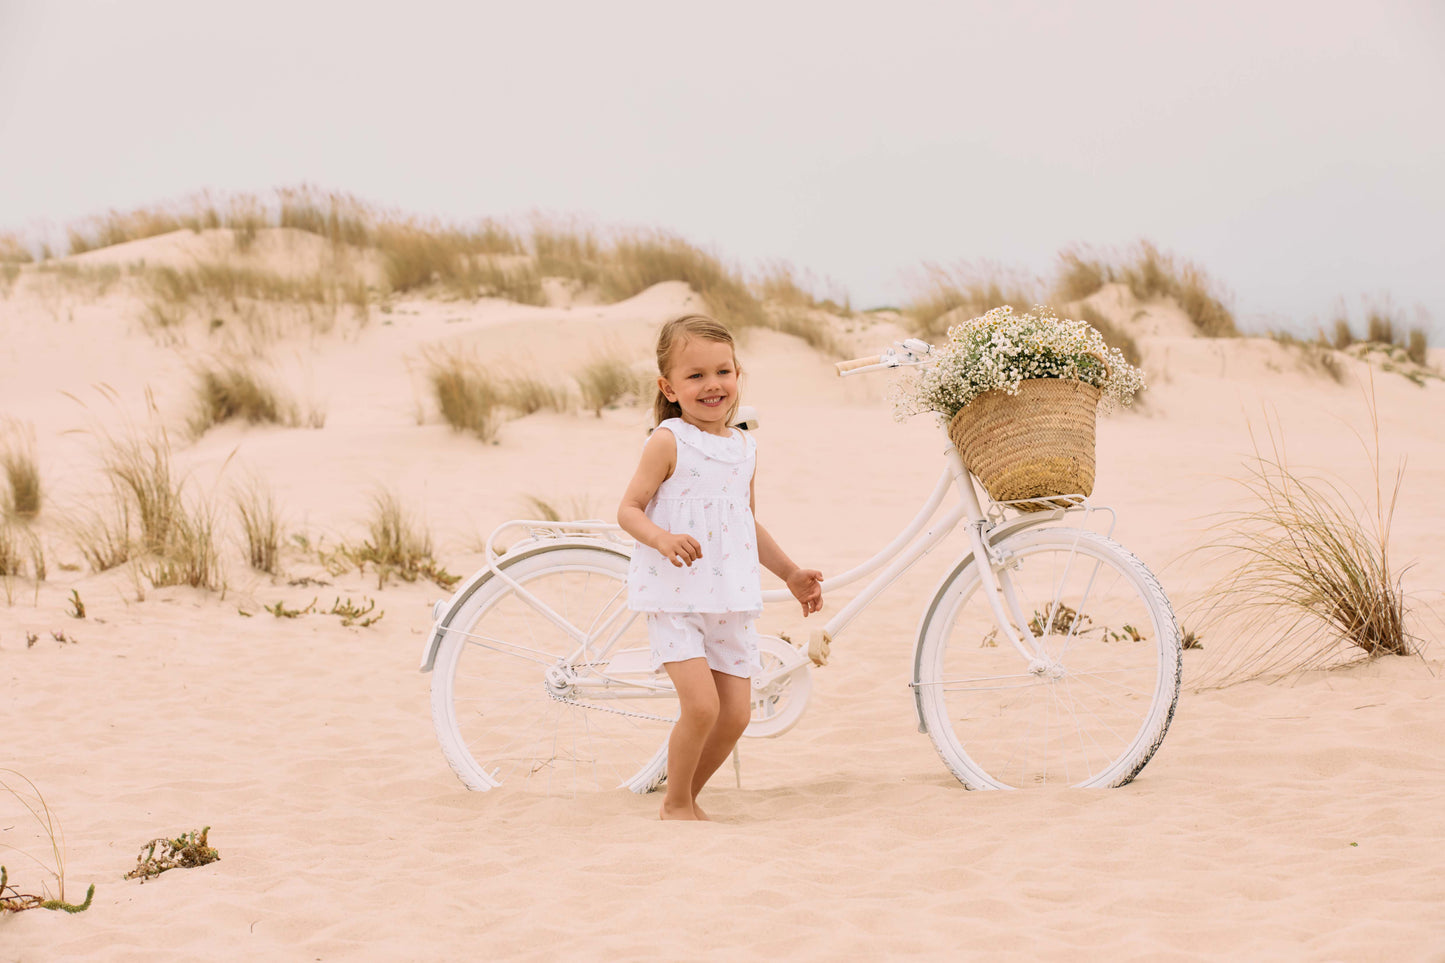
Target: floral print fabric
726, 640
707, 497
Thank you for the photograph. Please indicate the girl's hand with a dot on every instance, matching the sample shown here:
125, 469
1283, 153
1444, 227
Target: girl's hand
803, 583
680, 550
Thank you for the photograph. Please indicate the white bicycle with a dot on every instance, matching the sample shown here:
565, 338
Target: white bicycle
1047, 655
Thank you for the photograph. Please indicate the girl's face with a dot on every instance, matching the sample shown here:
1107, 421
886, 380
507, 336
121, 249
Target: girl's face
704, 383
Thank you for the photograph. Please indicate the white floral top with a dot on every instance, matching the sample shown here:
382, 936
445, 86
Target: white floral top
707, 497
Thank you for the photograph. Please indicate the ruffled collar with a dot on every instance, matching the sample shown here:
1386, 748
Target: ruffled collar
732, 449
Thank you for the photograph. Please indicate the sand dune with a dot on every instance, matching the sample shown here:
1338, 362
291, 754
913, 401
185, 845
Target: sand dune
1298, 820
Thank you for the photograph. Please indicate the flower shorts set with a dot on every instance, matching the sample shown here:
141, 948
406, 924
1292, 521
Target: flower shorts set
706, 609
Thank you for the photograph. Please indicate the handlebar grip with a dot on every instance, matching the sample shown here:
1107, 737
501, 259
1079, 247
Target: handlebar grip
844, 366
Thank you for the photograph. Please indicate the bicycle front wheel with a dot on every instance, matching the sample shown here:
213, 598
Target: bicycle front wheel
544, 687
1089, 704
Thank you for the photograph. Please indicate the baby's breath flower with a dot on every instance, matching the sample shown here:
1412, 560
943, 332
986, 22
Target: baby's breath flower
1003, 349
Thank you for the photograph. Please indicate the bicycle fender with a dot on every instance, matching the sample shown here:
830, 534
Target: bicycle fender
480, 579
1012, 527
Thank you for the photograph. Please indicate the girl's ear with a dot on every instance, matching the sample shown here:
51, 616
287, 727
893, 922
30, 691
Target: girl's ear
666, 389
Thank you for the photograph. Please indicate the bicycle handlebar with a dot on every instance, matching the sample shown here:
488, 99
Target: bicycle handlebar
846, 366
910, 351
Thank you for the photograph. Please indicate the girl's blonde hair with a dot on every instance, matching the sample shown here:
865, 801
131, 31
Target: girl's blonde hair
672, 336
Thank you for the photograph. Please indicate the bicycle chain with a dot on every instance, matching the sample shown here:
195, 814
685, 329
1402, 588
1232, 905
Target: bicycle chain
621, 712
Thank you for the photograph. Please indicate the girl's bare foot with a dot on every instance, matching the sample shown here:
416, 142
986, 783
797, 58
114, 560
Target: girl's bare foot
699, 813
687, 812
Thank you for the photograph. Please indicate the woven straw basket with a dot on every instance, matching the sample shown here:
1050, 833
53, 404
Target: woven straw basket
1034, 444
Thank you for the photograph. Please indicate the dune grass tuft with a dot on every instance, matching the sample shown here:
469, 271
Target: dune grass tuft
1080, 274
17, 459
1153, 274
470, 398
13, 249
1114, 335
1308, 577
398, 545
190, 555
527, 394
971, 289
606, 380
260, 524
234, 389
638, 261
103, 535
1315, 356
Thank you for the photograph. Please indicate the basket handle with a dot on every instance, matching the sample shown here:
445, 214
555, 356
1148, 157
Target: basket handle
1102, 360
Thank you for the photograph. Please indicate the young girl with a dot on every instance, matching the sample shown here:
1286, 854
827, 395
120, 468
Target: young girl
695, 569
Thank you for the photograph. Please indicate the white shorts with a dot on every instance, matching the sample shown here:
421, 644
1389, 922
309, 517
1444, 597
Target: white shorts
726, 639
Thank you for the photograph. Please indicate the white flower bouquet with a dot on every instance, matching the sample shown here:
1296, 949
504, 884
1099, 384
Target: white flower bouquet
1001, 350
1020, 392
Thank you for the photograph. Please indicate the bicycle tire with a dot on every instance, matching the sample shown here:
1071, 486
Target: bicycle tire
1094, 710
500, 716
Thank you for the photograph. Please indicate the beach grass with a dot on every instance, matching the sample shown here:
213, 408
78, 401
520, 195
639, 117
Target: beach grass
20, 788
469, 397
235, 389
1311, 570
606, 380
397, 545
255, 503
949, 294
22, 476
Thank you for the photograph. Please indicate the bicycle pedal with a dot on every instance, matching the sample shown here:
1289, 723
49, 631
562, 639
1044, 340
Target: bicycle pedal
819, 645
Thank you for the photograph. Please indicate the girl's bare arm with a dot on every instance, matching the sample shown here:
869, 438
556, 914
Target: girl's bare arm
659, 456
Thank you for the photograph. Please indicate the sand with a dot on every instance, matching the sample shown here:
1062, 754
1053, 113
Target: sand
1299, 819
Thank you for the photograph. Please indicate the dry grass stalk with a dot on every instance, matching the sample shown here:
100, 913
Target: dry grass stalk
12, 563
189, 555
541, 509
971, 289
1080, 274
1315, 356
1155, 274
17, 458
1310, 582
468, 396
103, 535
33, 802
607, 380
260, 525
636, 262
89, 280
234, 389
528, 394
398, 546
1114, 335
139, 466
13, 249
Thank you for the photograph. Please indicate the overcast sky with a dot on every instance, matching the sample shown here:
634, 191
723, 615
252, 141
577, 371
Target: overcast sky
1296, 150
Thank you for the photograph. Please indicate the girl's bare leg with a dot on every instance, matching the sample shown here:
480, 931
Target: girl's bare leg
735, 708
697, 695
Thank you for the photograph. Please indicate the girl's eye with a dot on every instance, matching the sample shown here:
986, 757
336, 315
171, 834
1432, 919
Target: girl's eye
694, 376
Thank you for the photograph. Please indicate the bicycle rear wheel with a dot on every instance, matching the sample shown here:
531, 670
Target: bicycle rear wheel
522, 704
1091, 705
